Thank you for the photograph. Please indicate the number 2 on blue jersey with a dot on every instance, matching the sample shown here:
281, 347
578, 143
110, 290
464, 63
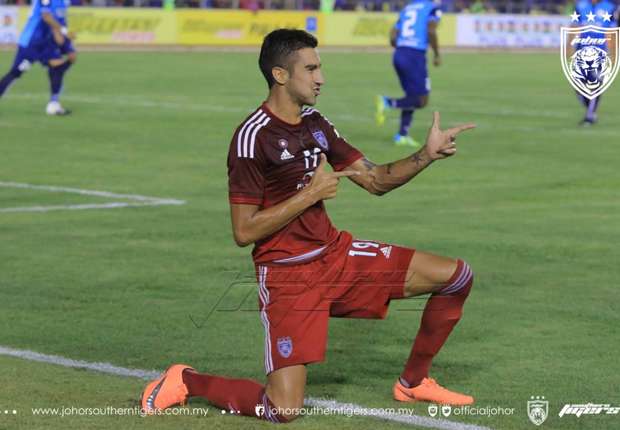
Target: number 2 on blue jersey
409, 23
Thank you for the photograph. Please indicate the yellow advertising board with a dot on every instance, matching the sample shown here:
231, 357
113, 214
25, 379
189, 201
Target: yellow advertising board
447, 30
117, 26
141, 26
373, 29
227, 27
123, 26
358, 28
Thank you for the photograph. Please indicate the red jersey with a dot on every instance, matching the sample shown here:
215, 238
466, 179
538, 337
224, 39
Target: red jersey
270, 160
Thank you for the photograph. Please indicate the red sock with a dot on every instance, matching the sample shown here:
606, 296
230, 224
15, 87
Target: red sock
243, 396
443, 310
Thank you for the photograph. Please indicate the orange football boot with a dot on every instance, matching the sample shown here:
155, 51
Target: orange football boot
168, 390
430, 391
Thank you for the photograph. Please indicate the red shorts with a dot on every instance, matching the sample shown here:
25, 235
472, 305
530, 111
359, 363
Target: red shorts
351, 279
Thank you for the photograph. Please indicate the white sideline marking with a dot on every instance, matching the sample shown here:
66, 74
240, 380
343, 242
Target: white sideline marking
331, 405
79, 364
135, 199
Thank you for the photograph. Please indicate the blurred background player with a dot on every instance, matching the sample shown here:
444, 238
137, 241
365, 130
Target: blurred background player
601, 14
415, 29
44, 39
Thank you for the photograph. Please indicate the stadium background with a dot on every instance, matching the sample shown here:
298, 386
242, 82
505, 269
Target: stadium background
530, 201
209, 27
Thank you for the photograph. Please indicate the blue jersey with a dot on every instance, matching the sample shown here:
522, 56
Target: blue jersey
601, 15
602, 12
412, 24
36, 31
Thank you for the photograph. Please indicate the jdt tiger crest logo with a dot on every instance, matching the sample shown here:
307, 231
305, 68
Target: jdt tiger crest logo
285, 346
537, 409
590, 57
319, 136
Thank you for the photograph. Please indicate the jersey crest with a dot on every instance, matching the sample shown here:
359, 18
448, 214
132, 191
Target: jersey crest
320, 138
285, 346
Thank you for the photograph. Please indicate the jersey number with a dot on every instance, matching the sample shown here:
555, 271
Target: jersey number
363, 245
311, 158
410, 18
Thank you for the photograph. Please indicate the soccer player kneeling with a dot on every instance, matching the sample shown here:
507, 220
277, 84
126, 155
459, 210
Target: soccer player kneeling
307, 270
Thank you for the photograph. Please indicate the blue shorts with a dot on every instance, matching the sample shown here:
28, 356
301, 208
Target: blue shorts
410, 65
42, 53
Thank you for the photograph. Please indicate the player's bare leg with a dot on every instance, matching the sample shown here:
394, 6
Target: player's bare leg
57, 62
449, 282
285, 388
422, 101
427, 273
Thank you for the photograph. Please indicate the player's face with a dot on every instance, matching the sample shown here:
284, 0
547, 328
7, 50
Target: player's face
306, 78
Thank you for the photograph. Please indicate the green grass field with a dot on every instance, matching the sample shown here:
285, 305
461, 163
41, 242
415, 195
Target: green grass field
531, 202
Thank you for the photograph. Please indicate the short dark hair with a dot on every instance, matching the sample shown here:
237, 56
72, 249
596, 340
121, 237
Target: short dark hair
277, 48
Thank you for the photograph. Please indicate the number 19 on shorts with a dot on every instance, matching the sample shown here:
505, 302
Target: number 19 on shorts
363, 245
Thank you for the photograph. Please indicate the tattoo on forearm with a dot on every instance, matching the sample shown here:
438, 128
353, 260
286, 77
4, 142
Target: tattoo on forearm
389, 168
418, 158
368, 164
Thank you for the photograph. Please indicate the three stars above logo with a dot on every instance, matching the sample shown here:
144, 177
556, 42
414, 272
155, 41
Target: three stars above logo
606, 16
590, 16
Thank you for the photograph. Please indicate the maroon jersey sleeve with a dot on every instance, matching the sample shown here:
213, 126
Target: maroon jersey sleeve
245, 173
340, 154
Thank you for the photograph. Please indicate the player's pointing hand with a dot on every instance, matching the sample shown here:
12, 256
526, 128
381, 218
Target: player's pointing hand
324, 184
442, 143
